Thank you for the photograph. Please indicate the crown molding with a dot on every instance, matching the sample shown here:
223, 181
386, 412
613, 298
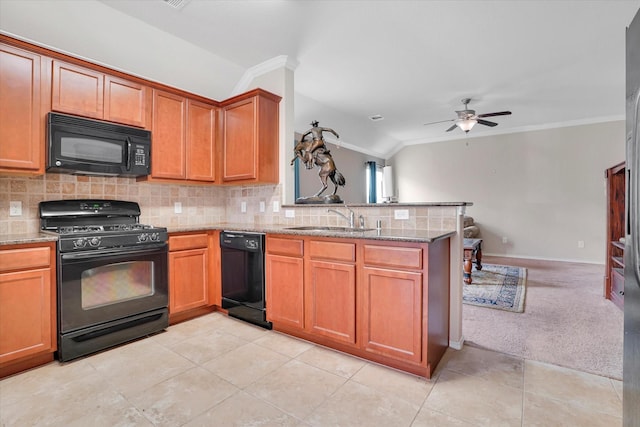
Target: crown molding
282, 61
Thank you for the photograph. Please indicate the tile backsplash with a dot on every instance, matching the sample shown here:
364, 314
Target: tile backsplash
201, 204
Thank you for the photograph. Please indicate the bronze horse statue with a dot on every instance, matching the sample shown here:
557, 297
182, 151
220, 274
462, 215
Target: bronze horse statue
323, 159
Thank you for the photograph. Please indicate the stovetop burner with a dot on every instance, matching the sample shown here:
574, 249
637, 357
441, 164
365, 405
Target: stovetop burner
98, 224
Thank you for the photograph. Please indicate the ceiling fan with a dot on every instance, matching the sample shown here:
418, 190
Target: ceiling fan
467, 119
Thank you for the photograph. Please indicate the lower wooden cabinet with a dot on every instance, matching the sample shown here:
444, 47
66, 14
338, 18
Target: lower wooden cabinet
188, 273
383, 301
27, 306
284, 277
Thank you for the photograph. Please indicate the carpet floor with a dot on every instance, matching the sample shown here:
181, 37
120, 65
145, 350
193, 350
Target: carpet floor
566, 321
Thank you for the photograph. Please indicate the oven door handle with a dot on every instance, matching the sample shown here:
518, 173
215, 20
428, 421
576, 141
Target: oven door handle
106, 252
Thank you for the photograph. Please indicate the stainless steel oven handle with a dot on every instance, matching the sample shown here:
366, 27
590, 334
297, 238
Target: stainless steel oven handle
120, 251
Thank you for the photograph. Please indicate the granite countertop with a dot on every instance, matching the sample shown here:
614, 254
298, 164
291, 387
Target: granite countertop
423, 236
34, 237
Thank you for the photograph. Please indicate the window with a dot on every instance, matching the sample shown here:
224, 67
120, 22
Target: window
374, 182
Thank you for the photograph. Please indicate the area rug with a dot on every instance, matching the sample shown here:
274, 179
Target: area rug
497, 286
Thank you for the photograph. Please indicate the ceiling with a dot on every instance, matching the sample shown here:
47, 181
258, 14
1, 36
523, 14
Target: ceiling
552, 63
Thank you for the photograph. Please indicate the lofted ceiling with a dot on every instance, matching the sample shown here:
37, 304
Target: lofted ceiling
552, 63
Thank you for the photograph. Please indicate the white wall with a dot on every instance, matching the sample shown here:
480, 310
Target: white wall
542, 190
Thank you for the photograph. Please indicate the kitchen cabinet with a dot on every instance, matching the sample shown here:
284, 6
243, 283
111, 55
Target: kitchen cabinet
284, 281
184, 139
380, 300
188, 274
90, 93
330, 290
24, 93
250, 138
392, 284
28, 301
614, 262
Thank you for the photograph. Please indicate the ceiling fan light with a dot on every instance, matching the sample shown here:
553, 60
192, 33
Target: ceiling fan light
466, 125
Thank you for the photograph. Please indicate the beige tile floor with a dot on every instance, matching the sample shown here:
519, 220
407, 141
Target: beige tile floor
218, 371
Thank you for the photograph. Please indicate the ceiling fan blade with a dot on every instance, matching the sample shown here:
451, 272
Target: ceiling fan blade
451, 128
487, 123
499, 113
441, 121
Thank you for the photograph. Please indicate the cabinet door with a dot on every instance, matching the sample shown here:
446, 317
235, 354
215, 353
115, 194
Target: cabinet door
125, 102
168, 146
25, 317
201, 141
240, 150
285, 290
21, 124
77, 90
392, 313
188, 280
331, 300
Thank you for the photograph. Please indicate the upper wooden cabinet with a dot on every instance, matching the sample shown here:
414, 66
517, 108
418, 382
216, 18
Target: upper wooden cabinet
23, 91
250, 138
89, 93
184, 138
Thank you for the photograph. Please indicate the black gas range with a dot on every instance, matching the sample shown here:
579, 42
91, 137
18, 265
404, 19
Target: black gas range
112, 282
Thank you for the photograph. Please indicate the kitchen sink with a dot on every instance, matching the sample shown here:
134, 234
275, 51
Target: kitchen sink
328, 228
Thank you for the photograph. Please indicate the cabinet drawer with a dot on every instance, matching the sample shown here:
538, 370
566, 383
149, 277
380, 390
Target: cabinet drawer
20, 259
187, 241
290, 247
338, 251
393, 256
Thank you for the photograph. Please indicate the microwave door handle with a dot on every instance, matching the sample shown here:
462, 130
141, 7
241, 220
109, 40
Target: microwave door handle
128, 150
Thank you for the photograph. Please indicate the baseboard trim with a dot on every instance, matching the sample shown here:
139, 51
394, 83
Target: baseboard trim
580, 261
457, 345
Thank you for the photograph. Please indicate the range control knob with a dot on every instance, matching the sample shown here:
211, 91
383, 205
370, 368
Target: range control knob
94, 241
79, 243
154, 236
142, 237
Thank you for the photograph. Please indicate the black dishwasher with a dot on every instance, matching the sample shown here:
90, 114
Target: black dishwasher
242, 264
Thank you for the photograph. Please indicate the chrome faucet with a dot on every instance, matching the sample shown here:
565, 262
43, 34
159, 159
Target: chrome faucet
351, 218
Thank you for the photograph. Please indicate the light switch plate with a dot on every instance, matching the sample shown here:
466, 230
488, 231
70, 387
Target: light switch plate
401, 214
262, 206
243, 207
289, 213
15, 208
276, 206
177, 207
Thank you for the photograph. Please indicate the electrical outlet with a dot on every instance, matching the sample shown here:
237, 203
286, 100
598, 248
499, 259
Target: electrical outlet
15, 208
289, 213
580, 244
276, 206
262, 206
505, 240
243, 207
177, 207
401, 214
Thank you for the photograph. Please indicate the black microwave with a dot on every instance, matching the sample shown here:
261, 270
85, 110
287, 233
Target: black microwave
90, 147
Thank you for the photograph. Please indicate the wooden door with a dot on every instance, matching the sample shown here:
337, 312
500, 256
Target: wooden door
201, 141
22, 125
239, 149
77, 90
330, 290
285, 290
125, 102
168, 136
26, 314
391, 307
188, 280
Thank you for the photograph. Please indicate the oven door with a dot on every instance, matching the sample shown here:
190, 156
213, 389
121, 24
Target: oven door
96, 287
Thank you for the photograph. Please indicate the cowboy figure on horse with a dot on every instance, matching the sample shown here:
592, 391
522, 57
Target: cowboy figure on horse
315, 151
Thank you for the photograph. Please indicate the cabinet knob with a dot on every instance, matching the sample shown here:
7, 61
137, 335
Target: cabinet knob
621, 293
